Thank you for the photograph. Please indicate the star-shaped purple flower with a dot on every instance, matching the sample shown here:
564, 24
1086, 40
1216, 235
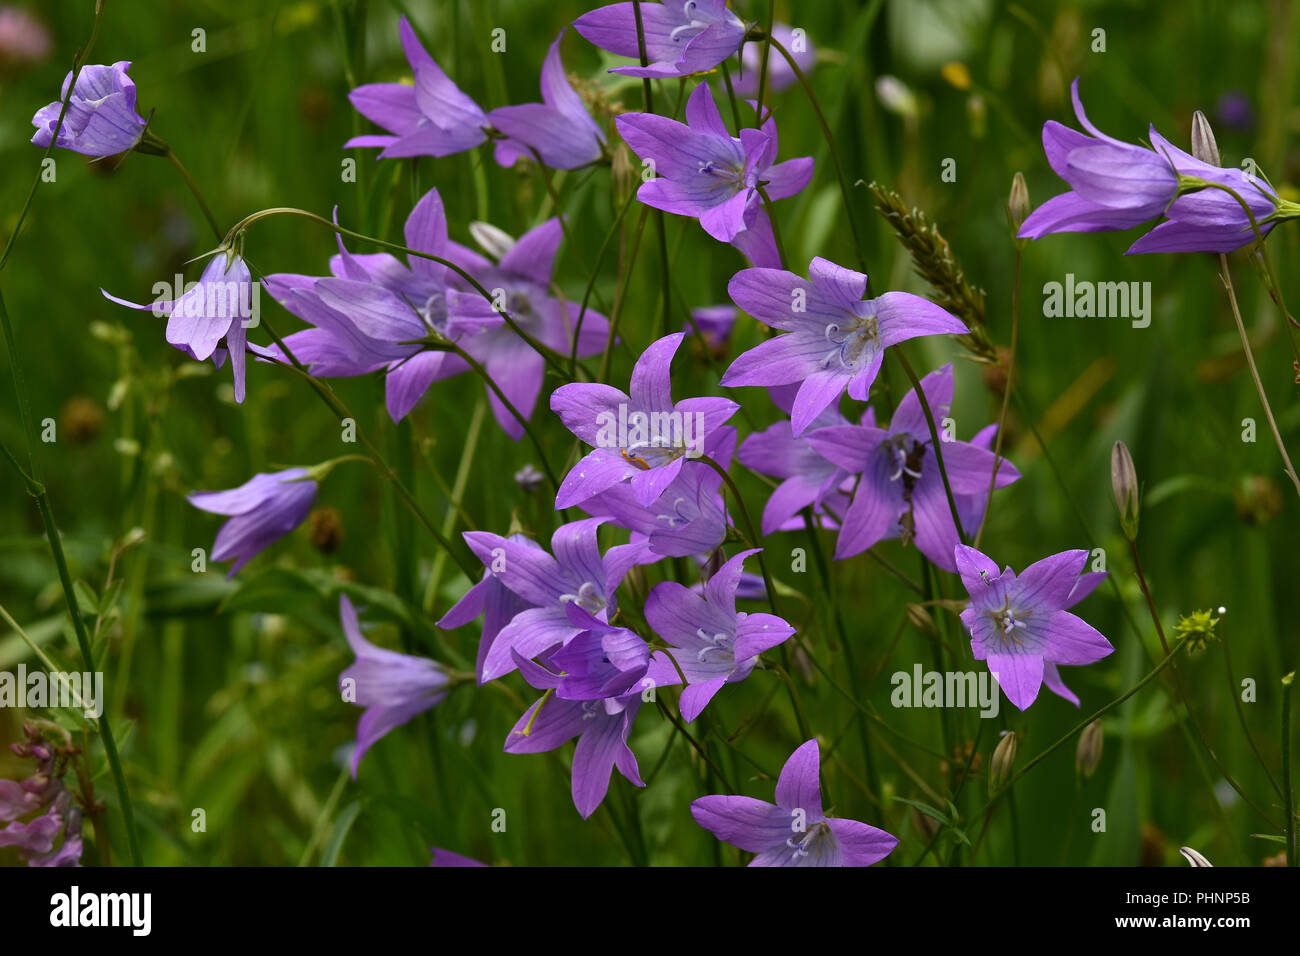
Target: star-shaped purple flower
794, 831
577, 574
1019, 625
704, 172
836, 338
392, 687
262, 510
100, 120
644, 437
681, 36
715, 644
901, 491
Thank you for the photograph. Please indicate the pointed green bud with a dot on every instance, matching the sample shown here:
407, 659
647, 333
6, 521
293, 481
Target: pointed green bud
1124, 482
1018, 207
1088, 754
1004, 755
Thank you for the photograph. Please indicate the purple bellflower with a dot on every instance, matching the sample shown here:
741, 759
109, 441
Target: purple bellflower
559, 129
688, 518
704, 172
1211, 220
794, 831
262, 510
715, 644
836, 338
544, 586
601, 725
101, 119
431, 118
392, 687
681, 36
1116, 185
520, 281
645, 437
901, 491
1019, 625
807, 478
212, 318
370, 312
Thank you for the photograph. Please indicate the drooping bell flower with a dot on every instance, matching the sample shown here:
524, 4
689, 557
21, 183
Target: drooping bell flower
262, 510
101, 119
559, 129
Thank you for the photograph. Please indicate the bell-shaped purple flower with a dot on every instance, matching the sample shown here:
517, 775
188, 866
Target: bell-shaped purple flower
681, 36
702, 171
689, 516
212, 318
1019, 626
836, 339
262, 510
559, 129
901, 492
392, 687
545, 586
806, 477
714, 643
643, 438
794, 831
101, 119
432, 117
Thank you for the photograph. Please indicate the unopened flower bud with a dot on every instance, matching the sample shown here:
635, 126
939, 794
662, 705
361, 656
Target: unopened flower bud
1004, 755
625, 174
1204, 147
1018, 206
1088, 754
1124, 482
920, 618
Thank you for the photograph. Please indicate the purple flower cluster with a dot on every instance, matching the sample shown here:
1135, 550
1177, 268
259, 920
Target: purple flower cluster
51, 808
578, 619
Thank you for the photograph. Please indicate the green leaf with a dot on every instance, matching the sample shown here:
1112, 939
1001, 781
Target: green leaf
348, 816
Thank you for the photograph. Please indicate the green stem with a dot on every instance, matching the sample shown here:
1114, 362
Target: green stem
1254, 372
1289, 831
194, 189
934, 438
845, 189
1006, 398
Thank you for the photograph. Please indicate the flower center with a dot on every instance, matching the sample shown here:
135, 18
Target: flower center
854, 344
802, 847
718, 645
677, 517
589, 598
1008, 625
